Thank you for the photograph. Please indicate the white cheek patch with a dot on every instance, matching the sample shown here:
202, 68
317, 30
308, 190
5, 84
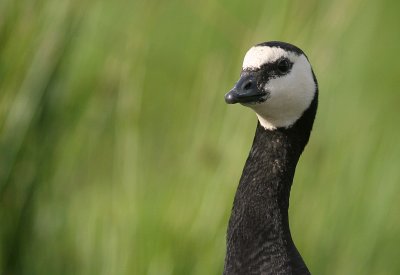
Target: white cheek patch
259, 55
290, 96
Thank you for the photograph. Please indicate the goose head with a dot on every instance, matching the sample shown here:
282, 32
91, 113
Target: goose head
277, 82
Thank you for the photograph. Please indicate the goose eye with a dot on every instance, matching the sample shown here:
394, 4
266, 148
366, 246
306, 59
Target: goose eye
283, 66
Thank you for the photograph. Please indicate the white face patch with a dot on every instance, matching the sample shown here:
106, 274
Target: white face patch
289, 95
259, 55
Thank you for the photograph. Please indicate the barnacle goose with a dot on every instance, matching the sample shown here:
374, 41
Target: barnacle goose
278, 83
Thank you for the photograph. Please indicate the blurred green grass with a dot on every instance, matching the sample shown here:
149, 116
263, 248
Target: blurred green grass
119, 155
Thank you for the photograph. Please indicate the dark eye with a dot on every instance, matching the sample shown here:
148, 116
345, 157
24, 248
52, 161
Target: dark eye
283, 66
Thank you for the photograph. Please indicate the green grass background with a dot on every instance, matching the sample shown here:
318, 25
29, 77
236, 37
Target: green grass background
119, 155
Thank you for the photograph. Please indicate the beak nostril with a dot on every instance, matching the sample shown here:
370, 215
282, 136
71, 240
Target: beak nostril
248, 85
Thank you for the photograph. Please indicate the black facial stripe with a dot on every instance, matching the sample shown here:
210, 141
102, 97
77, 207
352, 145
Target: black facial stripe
269, 67
275, 71
267, 72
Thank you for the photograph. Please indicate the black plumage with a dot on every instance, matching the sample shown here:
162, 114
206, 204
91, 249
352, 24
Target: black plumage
258, 237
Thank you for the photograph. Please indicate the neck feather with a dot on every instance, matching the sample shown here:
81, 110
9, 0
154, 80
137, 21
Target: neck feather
258, 238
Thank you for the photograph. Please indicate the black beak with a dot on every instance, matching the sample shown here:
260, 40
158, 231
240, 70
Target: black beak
245, 91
